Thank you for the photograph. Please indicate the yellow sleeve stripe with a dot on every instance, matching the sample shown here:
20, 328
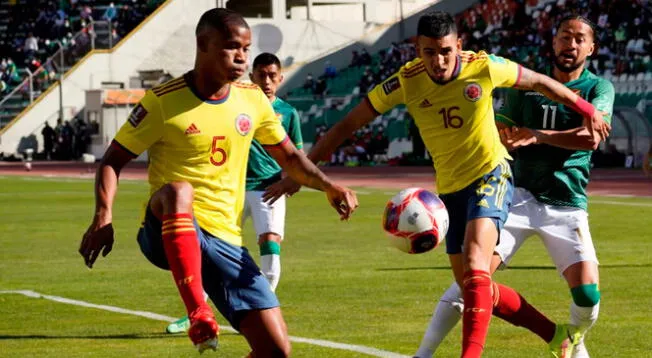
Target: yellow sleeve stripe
170, 89
170, 83
506, 118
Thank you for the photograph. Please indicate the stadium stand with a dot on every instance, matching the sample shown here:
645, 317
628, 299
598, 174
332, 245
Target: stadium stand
46, 37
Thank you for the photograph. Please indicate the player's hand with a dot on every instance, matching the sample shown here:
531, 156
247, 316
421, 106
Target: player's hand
515, 137
342, 199
285, 186
597, 125
98, 238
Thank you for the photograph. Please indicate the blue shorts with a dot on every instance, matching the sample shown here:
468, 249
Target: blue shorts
488, 197
230, 276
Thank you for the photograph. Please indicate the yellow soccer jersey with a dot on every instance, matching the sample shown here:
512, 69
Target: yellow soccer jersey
456, 119
203, 142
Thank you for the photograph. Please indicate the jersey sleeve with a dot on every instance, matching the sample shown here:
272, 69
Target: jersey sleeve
509, 113
270, 130
294, 130
388, 94
602, 97
143, 127
503, 72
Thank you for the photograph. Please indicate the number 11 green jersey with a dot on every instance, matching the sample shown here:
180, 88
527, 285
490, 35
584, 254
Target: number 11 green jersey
554, 175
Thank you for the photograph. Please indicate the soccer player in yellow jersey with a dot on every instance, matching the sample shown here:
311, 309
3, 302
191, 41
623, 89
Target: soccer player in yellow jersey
198, 130
448, 92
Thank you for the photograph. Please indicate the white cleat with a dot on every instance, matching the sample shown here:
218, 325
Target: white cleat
580, 351
209, 344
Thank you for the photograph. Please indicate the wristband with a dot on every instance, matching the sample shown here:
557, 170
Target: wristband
583, 107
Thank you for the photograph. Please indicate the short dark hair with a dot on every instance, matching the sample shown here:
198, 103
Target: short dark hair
594, 28
266, 59
436, 24
220, 19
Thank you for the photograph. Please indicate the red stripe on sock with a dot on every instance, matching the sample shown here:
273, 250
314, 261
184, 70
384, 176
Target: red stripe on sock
184, 257
477, 312
514, 309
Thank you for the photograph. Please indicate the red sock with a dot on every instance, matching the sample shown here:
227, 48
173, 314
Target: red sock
477, 312
184, 256
513, 308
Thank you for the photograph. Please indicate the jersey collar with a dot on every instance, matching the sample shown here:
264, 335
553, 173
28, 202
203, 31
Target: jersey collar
188, 78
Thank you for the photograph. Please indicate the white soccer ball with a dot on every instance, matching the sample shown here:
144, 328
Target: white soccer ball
415, 220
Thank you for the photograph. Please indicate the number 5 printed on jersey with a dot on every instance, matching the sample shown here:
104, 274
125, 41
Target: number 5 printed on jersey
218, 154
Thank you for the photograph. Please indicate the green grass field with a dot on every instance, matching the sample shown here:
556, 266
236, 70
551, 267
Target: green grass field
340, 281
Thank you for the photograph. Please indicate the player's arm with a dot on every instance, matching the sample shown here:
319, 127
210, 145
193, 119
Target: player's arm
305, 172
143, 128
574, 139
593, 119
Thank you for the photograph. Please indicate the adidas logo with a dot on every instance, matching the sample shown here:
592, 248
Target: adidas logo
192, 129
425, 104
483, 203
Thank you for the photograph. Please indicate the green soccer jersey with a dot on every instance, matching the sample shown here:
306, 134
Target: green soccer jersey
554, 175
262, 169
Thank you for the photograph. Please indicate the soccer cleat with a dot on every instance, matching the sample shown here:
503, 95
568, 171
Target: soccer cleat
203, 330
580, 351
179, 326
565, 339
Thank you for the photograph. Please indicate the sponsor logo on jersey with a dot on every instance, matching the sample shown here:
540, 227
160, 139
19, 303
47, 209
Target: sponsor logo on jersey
243, 124
483, 203
425, 104
534, 93
192, 129
137, 115
472, 92
391, 85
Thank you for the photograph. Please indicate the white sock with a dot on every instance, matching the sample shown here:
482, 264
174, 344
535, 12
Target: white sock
447, 313
270, 266
584, 317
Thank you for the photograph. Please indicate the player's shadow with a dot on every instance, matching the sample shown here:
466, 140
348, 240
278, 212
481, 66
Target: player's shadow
516, 267
107, 336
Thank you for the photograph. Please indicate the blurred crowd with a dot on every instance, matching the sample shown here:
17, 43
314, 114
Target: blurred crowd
34, 30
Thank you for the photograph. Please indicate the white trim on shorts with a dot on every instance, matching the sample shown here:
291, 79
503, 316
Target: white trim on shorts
564, 231
266, 218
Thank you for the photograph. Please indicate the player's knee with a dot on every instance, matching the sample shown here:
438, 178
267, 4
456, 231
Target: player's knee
178, 195
586, 295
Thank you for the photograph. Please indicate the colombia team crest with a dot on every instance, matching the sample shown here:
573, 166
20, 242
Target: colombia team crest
472, 92
243, 124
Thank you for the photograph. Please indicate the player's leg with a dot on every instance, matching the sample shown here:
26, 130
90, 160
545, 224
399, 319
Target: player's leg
450, 306
568, 241
243, 296
269, 223
169, 215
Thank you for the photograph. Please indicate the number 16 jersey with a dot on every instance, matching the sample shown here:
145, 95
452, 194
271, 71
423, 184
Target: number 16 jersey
204, 142
455, 119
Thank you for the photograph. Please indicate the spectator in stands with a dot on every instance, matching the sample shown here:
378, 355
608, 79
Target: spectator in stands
110, 13
48, 140
365, 58
321, 88
31, 45
330, 71
309, 83
355, 59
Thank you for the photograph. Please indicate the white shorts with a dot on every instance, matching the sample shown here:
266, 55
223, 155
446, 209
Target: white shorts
563, 230
267, 218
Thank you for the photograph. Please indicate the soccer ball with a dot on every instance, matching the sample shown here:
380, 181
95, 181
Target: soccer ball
415, 220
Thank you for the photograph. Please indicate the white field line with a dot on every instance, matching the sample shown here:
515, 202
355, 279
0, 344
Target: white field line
155, 316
